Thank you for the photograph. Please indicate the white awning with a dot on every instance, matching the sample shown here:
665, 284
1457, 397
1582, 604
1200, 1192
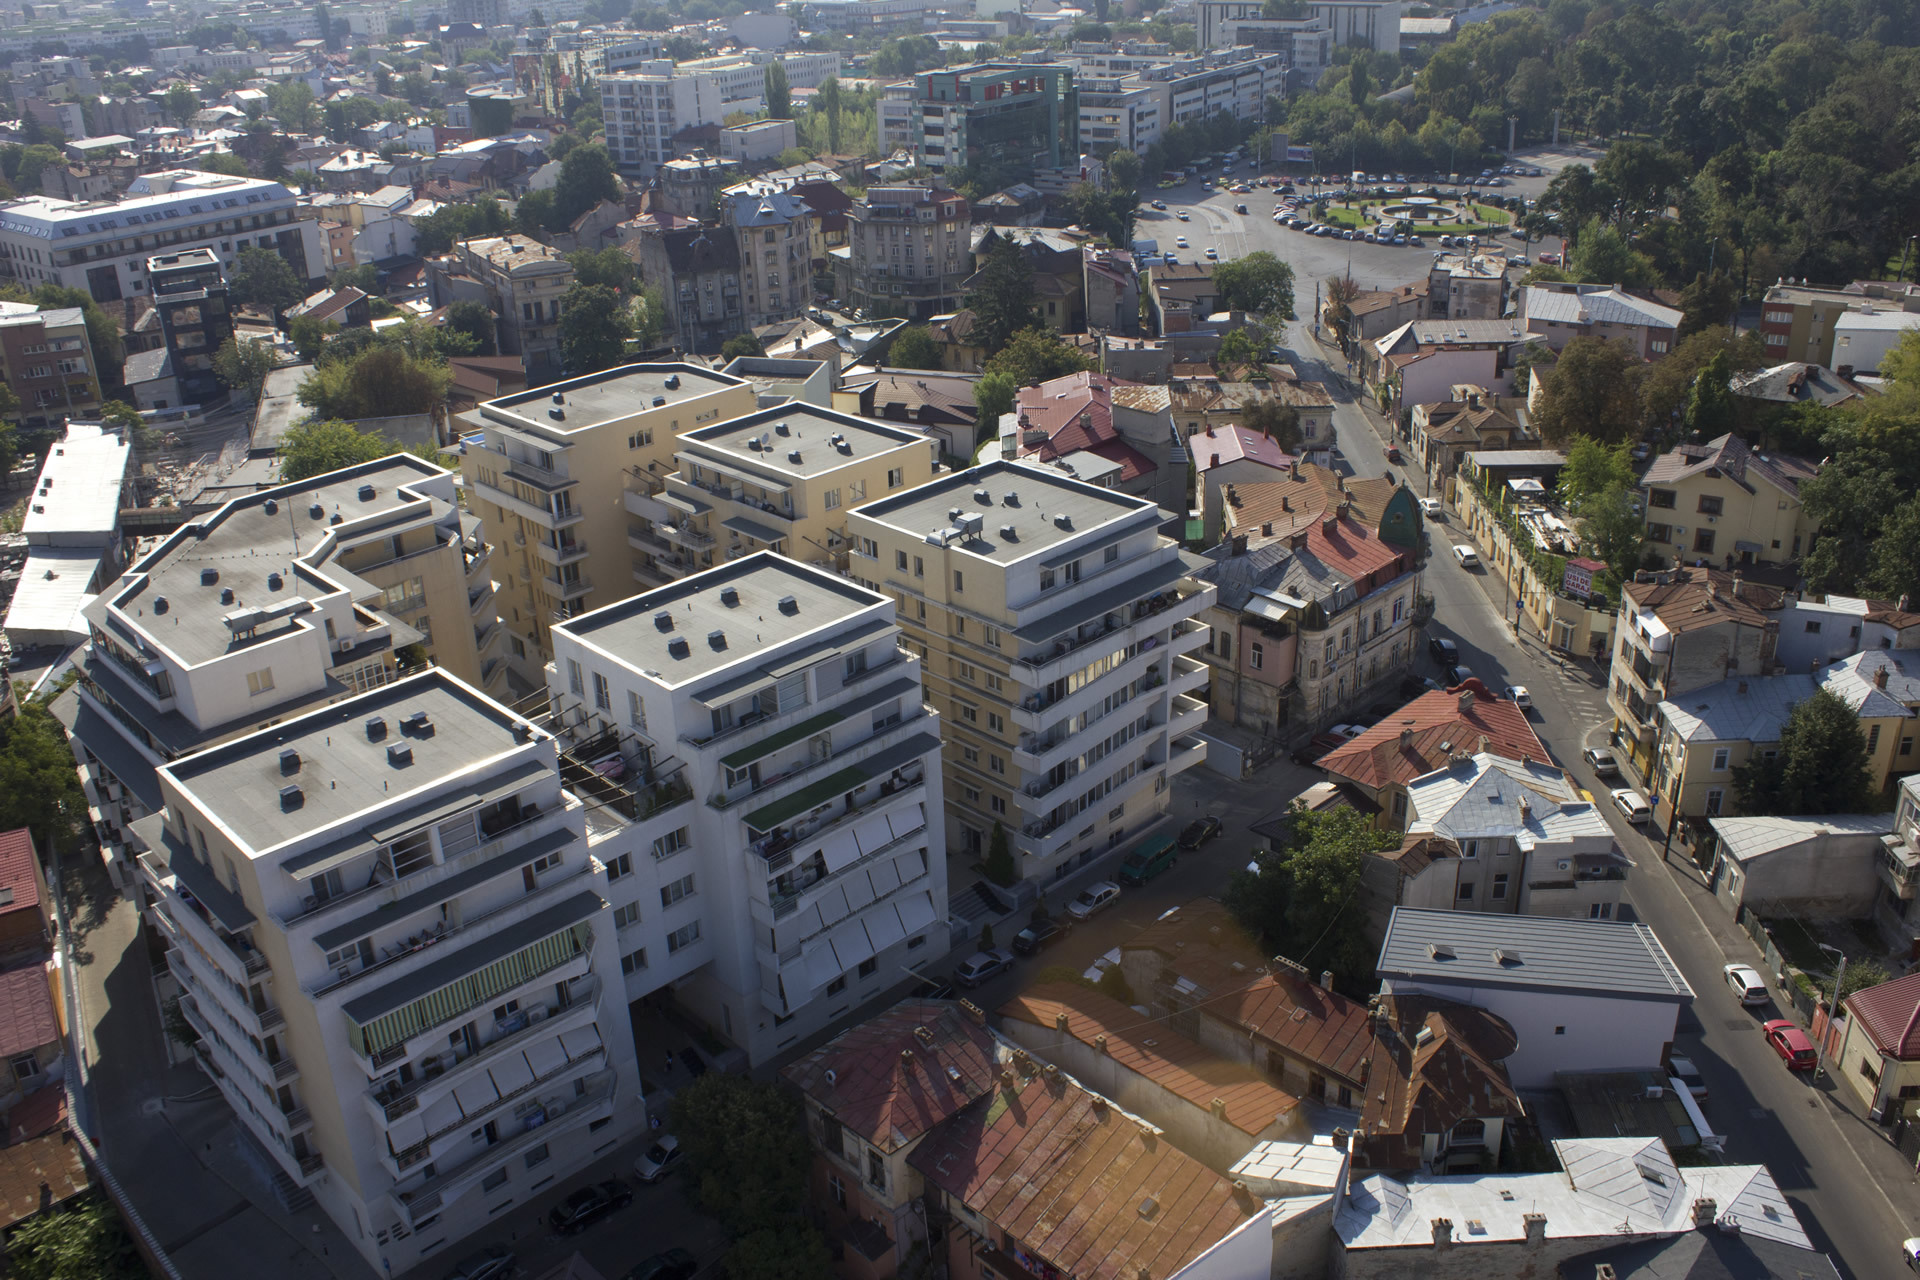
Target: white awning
822, 967
910, 866
907, 821
840, 850
443, 1113
409, 1130
859, 891
475, 1094
580, 1041
546, 1056
511, 1073
832, 906
884, 877
883, 928
851, 945
873, 833
916, 911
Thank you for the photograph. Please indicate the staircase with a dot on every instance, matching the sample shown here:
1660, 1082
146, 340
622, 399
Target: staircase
292, 1196
976, 903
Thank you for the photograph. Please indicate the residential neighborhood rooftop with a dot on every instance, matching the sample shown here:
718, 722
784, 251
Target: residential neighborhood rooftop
1043, 508
1546, 952
862, 1078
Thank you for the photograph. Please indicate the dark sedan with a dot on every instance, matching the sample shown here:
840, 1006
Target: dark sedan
1038, 937
1195, 834
588, 1205
674, 1264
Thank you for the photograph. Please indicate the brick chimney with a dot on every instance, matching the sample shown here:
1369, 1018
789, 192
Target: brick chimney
1466, 701
1443, 1233
1880, 678
1406, 739
1704, 1212
1536, 1224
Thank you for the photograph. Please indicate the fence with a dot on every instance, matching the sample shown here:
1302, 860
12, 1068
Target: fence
1789, 992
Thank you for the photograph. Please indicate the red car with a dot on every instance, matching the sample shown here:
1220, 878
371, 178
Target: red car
1393, 453
1791, 1043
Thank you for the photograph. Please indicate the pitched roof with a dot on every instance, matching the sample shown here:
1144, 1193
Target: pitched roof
1706, 1254
1857, 680
1744, 839
1890, 1015
1079, 1184
1216, 447
1203, 944
1756, 708
859, 1075
696, 249
1192, 1073
1795, 383
1730, 456
1439, 1065
1076, 412
1597, 306
1421, 736
1693, 598
1485, 796
26, 1010
19, 886
1302, 1018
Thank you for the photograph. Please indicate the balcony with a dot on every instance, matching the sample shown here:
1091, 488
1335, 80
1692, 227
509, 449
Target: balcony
1189, 716
566, 588
457, 1119
1038, 711
194, 902
686, 535
1184, 753
1899, 868
785, 902
646, 538
661, 570
549, 514
479, 599
776, 847
560, 549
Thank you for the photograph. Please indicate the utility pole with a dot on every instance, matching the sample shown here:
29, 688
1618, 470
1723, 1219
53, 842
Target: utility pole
1513, 122
1839, 977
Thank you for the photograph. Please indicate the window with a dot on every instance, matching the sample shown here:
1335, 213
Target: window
1500, 886
639, 439
837, 1189
895, 478
1710, 505
964, 670
259, 682
537, 1156
672, 893
602, 696
620, 866
624, 917
1660, 497
634, 961
997, 764
1720, 757
900, 561
995, 683
838, 985
1703, 541
876, 1171
1714, 797
1873, 738
685, 936
1465, 893
546, 863
1046, 579
997, 804
494, 1181
636, 711
1813, 628
959, 581
1906, 745
919, 567
972, 794
1471, 849
1257, 655
830, 499
576, 679
1598, 911
868, 968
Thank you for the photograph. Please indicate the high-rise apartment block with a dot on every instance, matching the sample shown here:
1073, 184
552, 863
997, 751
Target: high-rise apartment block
190, 293
399, 959
1013, 116
647, 105
784, 859
908, 252
1055, 622
548, 472
277, 602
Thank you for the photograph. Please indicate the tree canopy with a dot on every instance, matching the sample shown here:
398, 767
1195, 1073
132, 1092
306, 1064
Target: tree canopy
384, 380
1034, 355
1258, 282
1301, 900
747, 1159
261, 277
1820, 767
1593, 391
315, 448
914, 347
594, 328
1002, 297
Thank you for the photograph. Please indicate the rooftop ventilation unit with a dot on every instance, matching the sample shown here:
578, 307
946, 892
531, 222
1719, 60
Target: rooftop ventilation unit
367, 493
793, 455
291, 797
416, 722
789, 605
1439, 951
716, 639
399, 755
658, 401
1423, 1037
270, 506
289, 761
1506, 956
1008, 532
782, 429
209, 576
953, 513
730, 597
673, 382
226, 595
1063, 520
522, 731
677, 647
971, 524
753, 443
558, 398
334, 518
376, 728
663, 620
982, 495
275, 582
159, 604
558, 415
316, 511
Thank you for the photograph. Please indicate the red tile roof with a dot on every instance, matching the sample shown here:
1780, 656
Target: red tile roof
1202, 942
861, 1077
17, 871
1076, 412
40, 1166
1440, 726
1302, 1018
1890, 1015
1349, 547
1416, 1087
1079, 1185
26, 1010
1149, 1048
1232, 444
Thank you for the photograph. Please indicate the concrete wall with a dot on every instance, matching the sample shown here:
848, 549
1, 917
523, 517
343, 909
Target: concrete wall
1565, 1031
1834, 877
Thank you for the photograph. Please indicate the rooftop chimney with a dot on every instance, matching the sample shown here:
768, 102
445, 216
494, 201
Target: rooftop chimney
1704, 1212
1880, 678
1443, 1233
1406, 739
1326, 979
1219, 1108
1536, 1228
1466, 701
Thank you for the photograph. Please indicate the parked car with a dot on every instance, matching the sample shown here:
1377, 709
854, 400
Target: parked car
674, 1264
1517, 694
1747, 985
1601, 761
1094, 899
1183, 215
1160, 204
1239, 208
1631, 803
588, 1205
1910, 1252
1147, 860
1683, 1070
982, 965
1791, 1043
1195, 834
1393, 453
1432, 510
660, 1159
492, 1263
1458, 675
1213, 253
1443, 651
1347, 730
1036, 938
1467, 556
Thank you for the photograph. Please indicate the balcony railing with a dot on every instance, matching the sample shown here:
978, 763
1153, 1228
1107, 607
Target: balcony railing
395, 1099
776, 849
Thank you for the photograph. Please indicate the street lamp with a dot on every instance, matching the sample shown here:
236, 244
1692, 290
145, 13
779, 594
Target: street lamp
1839, 977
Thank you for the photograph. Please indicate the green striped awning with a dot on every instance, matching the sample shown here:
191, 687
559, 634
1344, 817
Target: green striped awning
808, 798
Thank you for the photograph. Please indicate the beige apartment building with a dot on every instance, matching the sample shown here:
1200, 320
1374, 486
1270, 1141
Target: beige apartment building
548, 474
1056, 629
779, 479
909, 252
521, 281
1722, 503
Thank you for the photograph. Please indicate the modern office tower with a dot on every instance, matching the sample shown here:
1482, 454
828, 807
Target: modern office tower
548, 471
399, 959
778, 479
276, 602
1055, 623
190, 293
768, 785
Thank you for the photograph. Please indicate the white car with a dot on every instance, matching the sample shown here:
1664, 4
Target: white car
1466, 555
1213, 253
1348, 730
1517, 694
1430, 507
659, 1160
1601, 761
1094, 899
1747, 985
1683, 1070
1631, 803
1180, 242
1182, 215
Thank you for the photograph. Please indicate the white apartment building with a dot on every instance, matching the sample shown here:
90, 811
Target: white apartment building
1236, 82
862, 15
102, 246
1120, 112
1372, 23
646, 106
399, 959
798, 866
1055, 623
279, 601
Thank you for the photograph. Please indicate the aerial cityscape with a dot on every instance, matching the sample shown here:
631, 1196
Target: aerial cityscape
959, 640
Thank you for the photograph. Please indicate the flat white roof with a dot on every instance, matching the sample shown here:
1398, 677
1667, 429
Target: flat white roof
54, 584
78, 491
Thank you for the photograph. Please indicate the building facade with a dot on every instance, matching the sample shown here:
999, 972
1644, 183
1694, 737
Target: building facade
1007, 117
190, 293
908, 252
518, 279
1055, 624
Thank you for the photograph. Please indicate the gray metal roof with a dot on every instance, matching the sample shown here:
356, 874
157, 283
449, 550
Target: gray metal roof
1542, 952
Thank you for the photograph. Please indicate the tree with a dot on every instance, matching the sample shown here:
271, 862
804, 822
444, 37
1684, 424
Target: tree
1602, 256
293, 106
652, 320
1593, 391
223, 162
315, 448
1036, 355
1708, 301
1300, 900
308, 336
1276, 420
586, 178
1002, 297
826, 99
1848, 500
1709, 412
779, 97
261, 277
38, 788
86, 1242
1259, 283
1593, 468
535, 214
1821, 765
1126, 173
994, 395
1238, 348
1000, 866
182, 103
1613, 529
473, 318
914, 348
742, 345
746, 1149
594, 328
243, 365
608, 267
